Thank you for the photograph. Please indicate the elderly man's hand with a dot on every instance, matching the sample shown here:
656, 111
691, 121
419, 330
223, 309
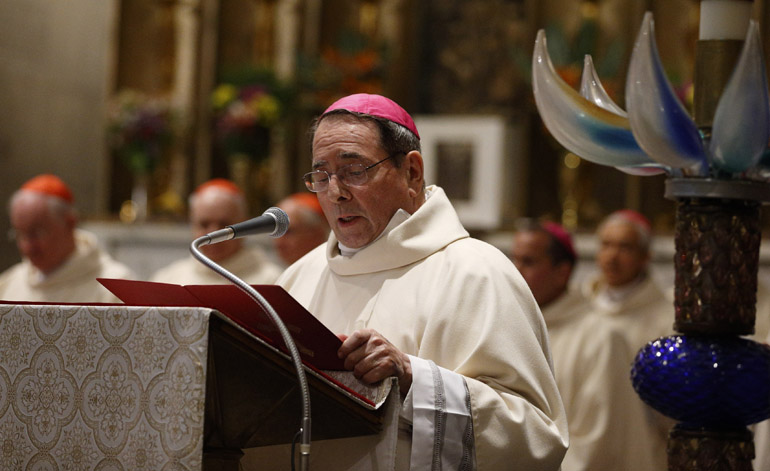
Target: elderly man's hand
372, 358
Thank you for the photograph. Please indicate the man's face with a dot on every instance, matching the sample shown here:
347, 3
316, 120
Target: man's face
210, 212
302, 237
620, 257
530, 255
358, 214
42, 237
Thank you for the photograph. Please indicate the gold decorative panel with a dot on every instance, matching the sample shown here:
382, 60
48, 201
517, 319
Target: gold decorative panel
102, 387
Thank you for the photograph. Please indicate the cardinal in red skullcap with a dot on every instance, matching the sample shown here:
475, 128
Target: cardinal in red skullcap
307, 227
213, 205
60, 263
50, 185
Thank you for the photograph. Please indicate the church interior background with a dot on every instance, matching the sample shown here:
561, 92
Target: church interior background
76, 76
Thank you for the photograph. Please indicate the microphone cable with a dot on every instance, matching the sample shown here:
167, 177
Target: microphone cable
304, 430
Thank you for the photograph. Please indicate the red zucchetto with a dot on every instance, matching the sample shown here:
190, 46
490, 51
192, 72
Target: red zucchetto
220, 184
307, 200
49, 185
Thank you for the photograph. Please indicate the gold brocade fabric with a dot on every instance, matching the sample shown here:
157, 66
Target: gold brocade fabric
102, 387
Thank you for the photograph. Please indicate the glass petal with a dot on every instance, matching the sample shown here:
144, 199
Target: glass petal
742, 119
591, 88
660, 123
581, 126
645, 170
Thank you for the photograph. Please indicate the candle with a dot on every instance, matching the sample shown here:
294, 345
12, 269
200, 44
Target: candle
724, 19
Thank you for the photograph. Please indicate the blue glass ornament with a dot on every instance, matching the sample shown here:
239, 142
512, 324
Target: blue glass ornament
705, 381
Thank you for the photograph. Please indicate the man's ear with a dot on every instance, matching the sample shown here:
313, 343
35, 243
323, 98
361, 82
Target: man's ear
563, 272
415, 172
647, 258
71, 221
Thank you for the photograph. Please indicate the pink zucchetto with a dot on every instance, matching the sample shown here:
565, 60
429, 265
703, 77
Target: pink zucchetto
561, 235
375, 105
49, 185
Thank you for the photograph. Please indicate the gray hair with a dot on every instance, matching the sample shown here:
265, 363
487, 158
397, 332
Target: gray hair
238, 198
643, 232
395, 139
310, 217
57, 207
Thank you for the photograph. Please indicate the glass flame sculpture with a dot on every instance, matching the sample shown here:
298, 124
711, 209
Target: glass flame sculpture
711, 380
656, 131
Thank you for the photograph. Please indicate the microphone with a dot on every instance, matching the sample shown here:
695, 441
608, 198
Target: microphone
273, 222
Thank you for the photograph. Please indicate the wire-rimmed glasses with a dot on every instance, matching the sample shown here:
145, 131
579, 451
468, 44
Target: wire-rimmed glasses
349, 175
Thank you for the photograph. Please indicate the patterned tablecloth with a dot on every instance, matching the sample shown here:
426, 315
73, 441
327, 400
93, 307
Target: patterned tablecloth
102, 387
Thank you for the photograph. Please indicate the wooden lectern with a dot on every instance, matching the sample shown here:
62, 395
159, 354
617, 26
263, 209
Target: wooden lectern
242, 366
130, 387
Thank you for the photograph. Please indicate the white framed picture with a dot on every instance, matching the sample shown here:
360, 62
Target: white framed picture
464, 155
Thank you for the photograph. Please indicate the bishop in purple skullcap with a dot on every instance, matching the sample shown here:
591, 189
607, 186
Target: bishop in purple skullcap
375, 105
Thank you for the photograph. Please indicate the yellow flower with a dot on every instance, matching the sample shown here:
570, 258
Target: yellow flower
269, 109
223, 95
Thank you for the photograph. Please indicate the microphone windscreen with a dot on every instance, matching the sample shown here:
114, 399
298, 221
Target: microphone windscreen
281, 221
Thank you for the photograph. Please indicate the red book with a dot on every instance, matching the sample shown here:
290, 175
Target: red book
317, 345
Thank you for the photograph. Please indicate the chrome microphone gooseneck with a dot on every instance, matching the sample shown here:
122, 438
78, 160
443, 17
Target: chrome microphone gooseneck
227, 234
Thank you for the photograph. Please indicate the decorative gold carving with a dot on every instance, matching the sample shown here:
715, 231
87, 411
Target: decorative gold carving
716, 263
710, 451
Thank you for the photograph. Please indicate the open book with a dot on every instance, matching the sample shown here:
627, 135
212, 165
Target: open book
317, 345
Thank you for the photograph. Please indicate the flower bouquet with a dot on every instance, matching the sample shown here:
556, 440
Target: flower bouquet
246, 107
140, 129
355, 63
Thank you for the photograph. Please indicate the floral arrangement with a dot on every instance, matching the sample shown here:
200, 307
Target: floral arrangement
246, 107
140, 129
355, 64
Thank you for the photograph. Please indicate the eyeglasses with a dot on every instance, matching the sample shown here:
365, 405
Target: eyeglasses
350, 175
31, 235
